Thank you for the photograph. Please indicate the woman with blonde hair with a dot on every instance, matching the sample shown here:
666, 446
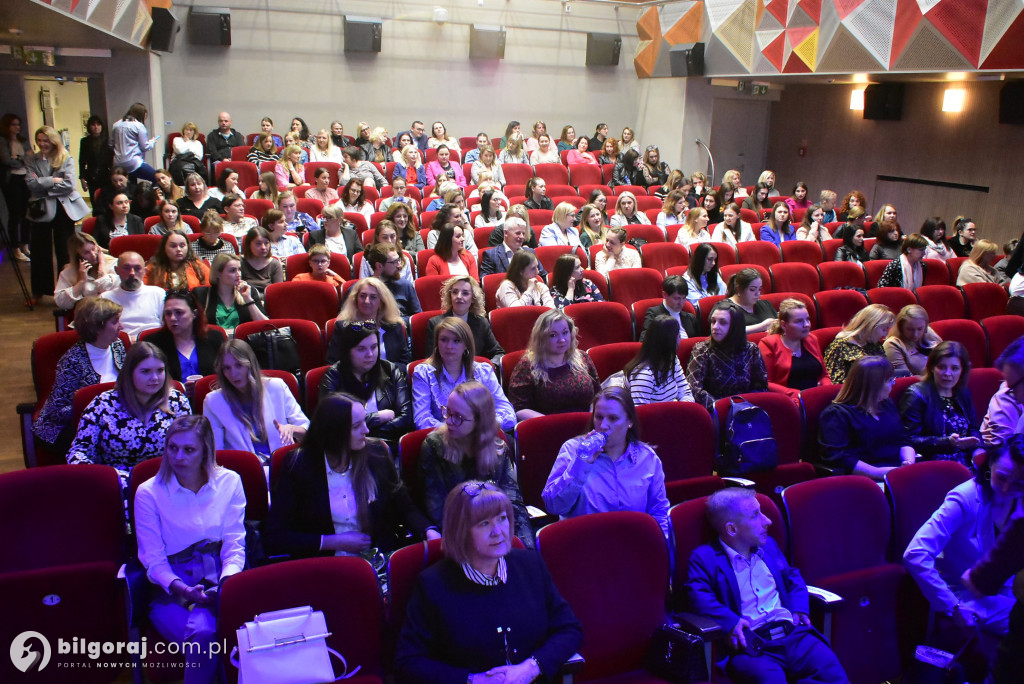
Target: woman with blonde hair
615, 254
128, 424
861, 337
674, 210
468, 445
229, 300
626, 211
628, 140
791, 354
188, 151
290, 171
463, 298
520, 286
695, 230
370, 302
164, 182
90, 273
411, 167
861, 432
553, 376
767, 178
592, 226
979, 266
533, 142
733, 176
267, 189
451, 363
404, 222
910, 341
250, 412
514, 152
561, 231
546, 152
487, 162
324, 150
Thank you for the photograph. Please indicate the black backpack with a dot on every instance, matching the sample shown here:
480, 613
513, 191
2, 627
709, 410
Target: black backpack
748, 445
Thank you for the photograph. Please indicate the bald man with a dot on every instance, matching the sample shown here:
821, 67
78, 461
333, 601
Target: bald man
143, 305
220, 140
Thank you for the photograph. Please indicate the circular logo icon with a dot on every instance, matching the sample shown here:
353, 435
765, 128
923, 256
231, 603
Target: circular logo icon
30, 652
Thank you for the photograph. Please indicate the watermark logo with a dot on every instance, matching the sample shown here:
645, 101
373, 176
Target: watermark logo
30, 652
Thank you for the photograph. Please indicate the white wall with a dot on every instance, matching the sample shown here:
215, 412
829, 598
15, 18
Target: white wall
286, 64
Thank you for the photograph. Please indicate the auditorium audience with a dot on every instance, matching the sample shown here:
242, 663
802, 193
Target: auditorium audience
290, 172
888, 242
209, 243
537, 194
227, 184
812, 227
142, 304
758, 202
319, 261
626, 211
695, 229
385, 234
861, 337
592, 222
725, 364
282, 245
553, 376
168, 219
910, 341
118, 221
792, 356
197, 199
861, 431
130, 141
462, 297
965, 232
450, 257
451, 363
673, 303
655, 373
248, 411
673, 211
128, 424
934, 231
778, 227
744, 291
732, 229
175, 266
938, 413
90, 272
263, 150
1005, 409
608, 468
710, 203
979, 266
854, 200
852, 248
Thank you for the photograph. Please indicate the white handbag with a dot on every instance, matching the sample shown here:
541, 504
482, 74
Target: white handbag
286, 647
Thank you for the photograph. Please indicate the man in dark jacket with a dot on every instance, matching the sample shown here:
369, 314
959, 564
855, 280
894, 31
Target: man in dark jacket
220, 140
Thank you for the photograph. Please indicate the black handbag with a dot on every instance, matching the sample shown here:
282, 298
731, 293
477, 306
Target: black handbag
276, 349
36, 209
677, 656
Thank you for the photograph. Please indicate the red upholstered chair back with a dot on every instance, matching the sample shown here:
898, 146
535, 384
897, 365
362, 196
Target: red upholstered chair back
633, 284
645, 232
968, 333
621, 606
145, 245
776, 298
813, 401
942, 302
610, 358
681, 458
936, 272
915, 493
46, 352
984, 300
299, 263
308, 300
428, 290
795, 276
983, 383
804, 251
841, 273
766, 278
538, 441
600, 323
837, 307
858, 530
512, 326
893, 297
408, 454
787, 423
760, 253
345, 589
690, 529
1001, 332
84, 396
662, 256
60, 515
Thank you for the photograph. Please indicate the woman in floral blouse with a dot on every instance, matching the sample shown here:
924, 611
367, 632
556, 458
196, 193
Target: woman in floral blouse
128, 424
568, 286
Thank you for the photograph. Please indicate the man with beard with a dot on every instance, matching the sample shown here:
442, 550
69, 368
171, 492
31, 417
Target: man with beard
143, 304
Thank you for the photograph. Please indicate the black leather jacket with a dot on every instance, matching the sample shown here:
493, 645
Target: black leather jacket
392, 393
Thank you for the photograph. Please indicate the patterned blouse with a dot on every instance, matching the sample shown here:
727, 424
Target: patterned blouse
713, 373
567, 389
109, 435
590, 294
842, 354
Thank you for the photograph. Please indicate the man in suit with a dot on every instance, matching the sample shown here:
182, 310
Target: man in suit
418, 132
497, 259
220, 140
742, 581
672, 303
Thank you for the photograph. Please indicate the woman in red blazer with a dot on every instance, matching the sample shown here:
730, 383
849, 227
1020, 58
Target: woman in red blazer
450, 258
791, 354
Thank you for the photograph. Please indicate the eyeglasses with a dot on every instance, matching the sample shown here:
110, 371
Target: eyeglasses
364, 325
474, 488
451, 417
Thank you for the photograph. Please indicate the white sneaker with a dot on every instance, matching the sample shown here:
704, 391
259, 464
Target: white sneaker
20, 256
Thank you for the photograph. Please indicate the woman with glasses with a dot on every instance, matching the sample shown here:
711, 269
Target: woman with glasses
339, 494
486, 612
608, 468
381, 385
469, 445
370, 301
965, 232
861, 432
452, 363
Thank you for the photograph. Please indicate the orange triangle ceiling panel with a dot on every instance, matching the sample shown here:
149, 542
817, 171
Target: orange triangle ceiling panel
689, 27
648, 27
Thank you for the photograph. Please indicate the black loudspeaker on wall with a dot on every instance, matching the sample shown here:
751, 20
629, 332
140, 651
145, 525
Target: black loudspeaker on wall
362, 34
209, 26
603, 49
486, 42
163, 31
686, 59
1011, 103
884, 101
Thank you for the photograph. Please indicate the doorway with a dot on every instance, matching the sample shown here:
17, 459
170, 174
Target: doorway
62, 103
739, 137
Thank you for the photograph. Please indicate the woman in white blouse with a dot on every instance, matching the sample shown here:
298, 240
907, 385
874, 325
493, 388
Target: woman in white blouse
702, 276
188, 142
561, 231
325, 150
615, 254
521, 287
189, 520
695, 229
626, 211
546, 152
487, 162
732, 229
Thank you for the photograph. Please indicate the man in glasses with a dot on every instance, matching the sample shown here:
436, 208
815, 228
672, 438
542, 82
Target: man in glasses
386, 262
1005, 415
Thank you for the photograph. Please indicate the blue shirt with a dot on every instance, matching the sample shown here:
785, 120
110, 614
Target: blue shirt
430, 393
189, 364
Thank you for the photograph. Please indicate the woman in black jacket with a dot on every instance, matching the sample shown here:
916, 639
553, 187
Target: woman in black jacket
305, 520
938, 414
361, 372
462, 297
186, 340
628, 171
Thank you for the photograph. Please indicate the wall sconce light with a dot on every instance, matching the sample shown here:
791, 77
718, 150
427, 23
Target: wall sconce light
953, 100
857, 99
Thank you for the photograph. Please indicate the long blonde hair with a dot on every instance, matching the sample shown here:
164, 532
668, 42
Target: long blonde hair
460, 329
535, 350
59, 155
386, 313
484, 447
247, 409
866, 320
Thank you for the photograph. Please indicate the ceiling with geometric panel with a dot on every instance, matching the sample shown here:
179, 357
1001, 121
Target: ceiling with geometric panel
769, 37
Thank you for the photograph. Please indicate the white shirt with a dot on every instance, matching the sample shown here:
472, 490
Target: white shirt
170, 518
1017, 286
102, 361
344, 507
142, 308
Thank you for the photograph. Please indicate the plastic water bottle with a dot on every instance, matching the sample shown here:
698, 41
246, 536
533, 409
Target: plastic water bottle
591, 445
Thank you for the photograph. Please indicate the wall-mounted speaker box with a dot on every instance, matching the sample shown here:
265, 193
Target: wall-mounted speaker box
164, 30
686, 59
603, 49
362, 34
486, 42
1011, 103
884, 101
209, 26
